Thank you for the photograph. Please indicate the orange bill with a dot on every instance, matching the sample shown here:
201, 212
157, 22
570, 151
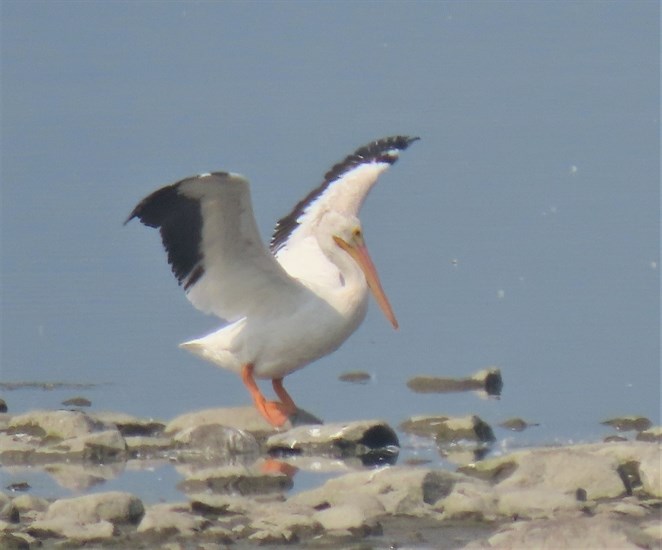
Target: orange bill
359, 252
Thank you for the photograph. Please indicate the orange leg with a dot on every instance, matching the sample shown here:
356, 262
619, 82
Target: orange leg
277, 383
274, 412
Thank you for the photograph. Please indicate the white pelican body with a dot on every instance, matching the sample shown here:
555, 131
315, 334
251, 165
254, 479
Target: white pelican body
287, 306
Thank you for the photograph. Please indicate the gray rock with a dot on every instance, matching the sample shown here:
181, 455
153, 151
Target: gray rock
28, 503
213, 441
447, 429
346, 517
487, 380
102, 446
3, 406
373, 439
146, 447
8, 512
113, 506
76, 532
236, 480
652, 434
566, 532
391, 490
171, 519
556, 470
131, 425
281, 524
242, 418
57, 424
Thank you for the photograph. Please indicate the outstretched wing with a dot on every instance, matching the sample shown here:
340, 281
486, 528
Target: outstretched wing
344, 189
214, 247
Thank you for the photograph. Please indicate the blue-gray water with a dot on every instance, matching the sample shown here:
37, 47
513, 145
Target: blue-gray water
522, 231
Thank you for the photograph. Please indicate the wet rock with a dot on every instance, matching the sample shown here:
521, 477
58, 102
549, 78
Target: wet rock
17, 448
653, 434
19, 486
241, 418
561, 470
8, 512
516, 424
103, 446
171, 519
114, 506
282, 524
355, 377
3, 406
143, 447
446, 429
13, 541
390, 490
373, 439
522, 503
468, 499
131, 425
236, 480
567, 532
77, 402
213, 441
57, 424
346, 519
629, 423
638, 464
488, 380
72, 530
30, 503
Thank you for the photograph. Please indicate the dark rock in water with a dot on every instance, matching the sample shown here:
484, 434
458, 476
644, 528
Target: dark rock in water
629, 423
3, 406
446, 429
355, 377
487, 380
18, 486
516, 424
77, 402
373, 440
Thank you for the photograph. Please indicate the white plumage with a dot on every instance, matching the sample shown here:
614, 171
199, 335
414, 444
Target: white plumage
287, 306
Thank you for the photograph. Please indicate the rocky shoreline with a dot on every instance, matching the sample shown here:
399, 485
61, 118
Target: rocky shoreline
236, 473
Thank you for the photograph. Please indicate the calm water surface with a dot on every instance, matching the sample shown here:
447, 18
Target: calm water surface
521, 232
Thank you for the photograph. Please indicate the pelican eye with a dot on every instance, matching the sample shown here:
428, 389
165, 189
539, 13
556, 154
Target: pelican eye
356, 232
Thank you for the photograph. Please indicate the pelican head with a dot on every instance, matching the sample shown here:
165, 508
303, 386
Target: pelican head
347, 235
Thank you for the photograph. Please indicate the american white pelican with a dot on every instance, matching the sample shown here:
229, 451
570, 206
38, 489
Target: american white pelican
285, 306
